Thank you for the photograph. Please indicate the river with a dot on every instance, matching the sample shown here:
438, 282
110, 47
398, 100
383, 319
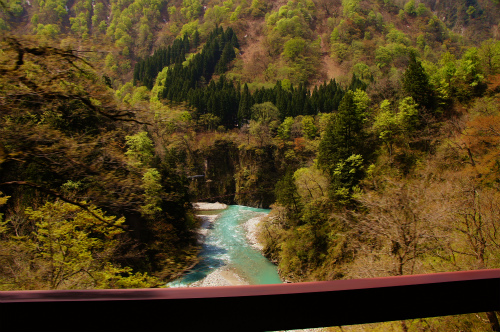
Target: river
226, 245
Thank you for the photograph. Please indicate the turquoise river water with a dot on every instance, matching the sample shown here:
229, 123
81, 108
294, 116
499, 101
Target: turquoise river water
226, 245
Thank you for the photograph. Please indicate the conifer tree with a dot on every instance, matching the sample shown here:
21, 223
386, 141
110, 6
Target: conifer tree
416, 84
196, 39
344, 135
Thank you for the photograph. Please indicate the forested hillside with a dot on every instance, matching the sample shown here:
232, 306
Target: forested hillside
371, 127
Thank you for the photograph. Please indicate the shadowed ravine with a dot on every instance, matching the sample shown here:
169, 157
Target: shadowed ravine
226, 246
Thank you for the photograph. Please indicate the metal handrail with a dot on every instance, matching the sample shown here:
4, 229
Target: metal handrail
255, 307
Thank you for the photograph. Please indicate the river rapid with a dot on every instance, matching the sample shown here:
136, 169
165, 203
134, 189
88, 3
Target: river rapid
226, 247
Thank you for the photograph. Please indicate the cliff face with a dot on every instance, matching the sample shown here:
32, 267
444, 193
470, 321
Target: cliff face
244, 176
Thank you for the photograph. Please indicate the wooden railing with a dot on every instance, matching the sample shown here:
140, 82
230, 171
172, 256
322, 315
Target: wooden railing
253, 308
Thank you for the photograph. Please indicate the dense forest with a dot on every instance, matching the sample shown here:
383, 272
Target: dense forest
370, 127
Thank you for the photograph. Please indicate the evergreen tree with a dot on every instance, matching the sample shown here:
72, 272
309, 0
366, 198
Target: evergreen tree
416, 84
146, 70
196, 39
344, 133
227, 56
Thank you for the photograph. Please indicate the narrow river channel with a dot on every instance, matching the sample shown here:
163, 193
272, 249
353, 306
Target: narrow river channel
226, 246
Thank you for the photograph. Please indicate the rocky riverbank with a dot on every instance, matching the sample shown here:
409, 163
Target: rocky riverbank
203, 206
220, 277
252, 231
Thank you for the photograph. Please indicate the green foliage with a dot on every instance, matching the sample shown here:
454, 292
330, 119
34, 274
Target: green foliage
98, 16
140, 149
422, 10
188, 83
408, 116
265, 112
386, 124
189, 29
124, 278
3, 200
48, 30
299, 251
395, 127
191, 9
350, 7
396, 36
293, 48
391, 54
82, 21
471, 10
303, 234
227, 56
470, 74
66, 111
410, 8
69, 248
362, 71
462, 78
292, 20
340, 51
312, 184
264, 122
436, 30
361, 102
79, 25
216, 14
151, 183
13, 7
3, 25
235, 15
209, 121
489, 53
262, 131
383, 56
343, 136
244, 112
416, 84
111, 62
52, 11
222, 98
348, 30
302, 57
346, 176
309, 128
131, 22
310, 236
258, 8
286, 192
285, 128
146, 70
